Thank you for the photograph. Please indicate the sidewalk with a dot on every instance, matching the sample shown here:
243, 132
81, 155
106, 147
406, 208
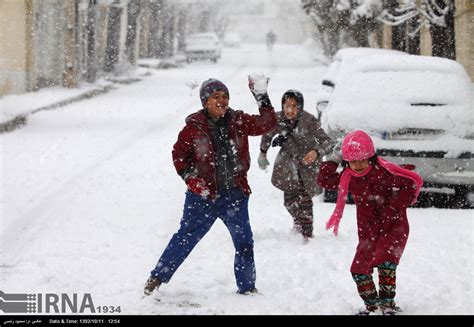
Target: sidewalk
15, 109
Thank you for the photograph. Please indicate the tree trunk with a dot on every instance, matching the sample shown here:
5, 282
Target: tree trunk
182, 19
91, 70
71, 70
113, 38
398, 37
413, 42
167, 37
205, 20
443, 37
133, 10
156, 21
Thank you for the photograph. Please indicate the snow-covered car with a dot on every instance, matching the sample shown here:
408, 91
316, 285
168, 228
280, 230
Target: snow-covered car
419, 111
203, 46
346, 56
232, 40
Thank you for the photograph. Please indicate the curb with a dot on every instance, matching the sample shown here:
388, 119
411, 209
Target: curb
13, 124
21, 120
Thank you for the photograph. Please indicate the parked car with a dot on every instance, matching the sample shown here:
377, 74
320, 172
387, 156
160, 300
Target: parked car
346, 55
203, 46
418, 109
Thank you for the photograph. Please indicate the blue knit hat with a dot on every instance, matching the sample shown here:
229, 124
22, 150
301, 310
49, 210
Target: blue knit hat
210, 86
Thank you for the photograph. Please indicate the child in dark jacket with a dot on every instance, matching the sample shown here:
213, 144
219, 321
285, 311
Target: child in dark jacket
382, 191
303, 143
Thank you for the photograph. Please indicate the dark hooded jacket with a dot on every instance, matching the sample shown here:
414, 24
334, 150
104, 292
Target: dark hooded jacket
296, 139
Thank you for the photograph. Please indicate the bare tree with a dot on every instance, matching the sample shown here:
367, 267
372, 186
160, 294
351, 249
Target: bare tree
329, 22
428, 12
436, 15
343, 21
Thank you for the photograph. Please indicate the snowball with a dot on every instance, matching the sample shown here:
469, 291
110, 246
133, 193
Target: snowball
260, 83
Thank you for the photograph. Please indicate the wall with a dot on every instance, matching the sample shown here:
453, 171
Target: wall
464, 24
14, 59
425, 42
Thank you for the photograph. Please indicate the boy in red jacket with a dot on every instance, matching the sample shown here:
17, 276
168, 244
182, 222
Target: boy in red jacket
382, 191
212, 157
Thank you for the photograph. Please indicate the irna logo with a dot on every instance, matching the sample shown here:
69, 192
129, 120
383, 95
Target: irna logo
46, 303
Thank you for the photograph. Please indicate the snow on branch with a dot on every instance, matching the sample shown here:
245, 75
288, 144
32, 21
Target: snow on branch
428, 12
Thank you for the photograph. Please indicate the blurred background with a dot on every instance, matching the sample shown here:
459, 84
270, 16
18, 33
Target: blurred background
67, 42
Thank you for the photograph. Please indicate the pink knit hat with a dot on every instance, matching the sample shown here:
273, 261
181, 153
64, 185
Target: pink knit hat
357, 145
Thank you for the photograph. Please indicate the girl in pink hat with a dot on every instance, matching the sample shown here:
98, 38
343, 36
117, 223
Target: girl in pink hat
382, 191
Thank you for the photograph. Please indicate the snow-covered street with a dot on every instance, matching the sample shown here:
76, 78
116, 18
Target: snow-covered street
90, 198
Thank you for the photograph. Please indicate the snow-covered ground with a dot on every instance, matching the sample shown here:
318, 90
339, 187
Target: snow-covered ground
90, 198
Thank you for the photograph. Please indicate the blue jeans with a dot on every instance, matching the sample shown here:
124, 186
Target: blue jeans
198, 217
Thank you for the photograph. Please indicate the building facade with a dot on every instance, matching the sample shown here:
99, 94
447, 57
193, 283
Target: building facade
62, 42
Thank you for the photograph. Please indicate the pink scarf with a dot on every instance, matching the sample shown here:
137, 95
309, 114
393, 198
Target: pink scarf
343, 188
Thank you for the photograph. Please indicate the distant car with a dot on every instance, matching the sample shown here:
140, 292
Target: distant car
418, 110
203, 46
232, 40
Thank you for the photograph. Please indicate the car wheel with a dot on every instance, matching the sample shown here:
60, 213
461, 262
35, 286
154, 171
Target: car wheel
460, 200
425, 200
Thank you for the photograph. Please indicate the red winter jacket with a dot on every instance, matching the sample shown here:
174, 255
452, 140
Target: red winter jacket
381, 200
193, 153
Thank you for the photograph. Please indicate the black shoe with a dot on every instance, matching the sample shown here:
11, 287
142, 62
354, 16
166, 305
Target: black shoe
151, 284
307, 231
250, 291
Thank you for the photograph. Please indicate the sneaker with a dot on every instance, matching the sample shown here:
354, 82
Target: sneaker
307, 232
249, 292
367, 310
307, 239
296, 230
151, 284
391, 311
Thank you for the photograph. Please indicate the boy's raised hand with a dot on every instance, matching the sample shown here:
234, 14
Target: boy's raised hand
258, 84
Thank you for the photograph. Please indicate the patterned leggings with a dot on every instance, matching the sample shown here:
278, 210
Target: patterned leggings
300, 206
387, 283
